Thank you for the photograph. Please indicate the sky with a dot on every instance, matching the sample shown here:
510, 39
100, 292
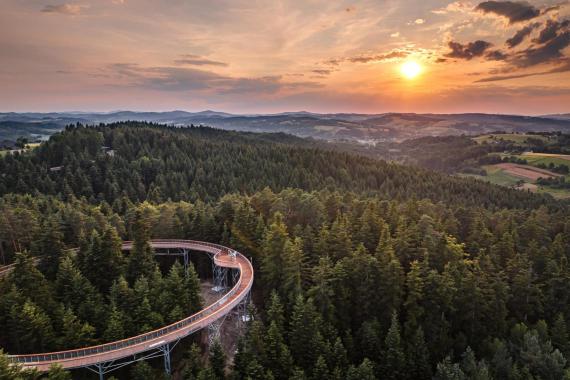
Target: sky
256, 56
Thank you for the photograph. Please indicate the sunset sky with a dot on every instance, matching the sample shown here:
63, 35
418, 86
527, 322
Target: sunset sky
248, 56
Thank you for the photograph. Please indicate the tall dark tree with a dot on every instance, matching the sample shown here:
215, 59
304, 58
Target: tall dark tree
141, 257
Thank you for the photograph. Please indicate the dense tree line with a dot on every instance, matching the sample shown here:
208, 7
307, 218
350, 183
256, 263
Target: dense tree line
388, 280
141, 162
96, 294
355, 286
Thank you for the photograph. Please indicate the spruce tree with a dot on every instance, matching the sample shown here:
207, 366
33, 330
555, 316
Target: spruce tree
218, 361
417, 357
393, 361
75, 332
115, 329
56, 372
141, 258
272, 261
50, 247
365, 371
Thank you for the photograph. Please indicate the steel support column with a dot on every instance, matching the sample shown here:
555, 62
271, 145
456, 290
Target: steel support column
243, 312
166, 352
186, 255
214, 331
220, 278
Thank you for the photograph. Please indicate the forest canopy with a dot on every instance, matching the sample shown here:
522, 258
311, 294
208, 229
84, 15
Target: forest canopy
365, 269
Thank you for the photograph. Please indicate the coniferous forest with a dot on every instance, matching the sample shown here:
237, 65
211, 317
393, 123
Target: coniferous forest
364, 269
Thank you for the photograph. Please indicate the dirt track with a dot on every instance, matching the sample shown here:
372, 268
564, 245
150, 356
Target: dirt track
526, 172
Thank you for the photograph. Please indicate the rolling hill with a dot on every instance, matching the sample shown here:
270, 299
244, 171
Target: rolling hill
339, 126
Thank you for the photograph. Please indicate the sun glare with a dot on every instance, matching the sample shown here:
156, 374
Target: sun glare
411, 69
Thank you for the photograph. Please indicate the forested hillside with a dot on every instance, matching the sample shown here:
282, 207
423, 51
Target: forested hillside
366, 270
149, 162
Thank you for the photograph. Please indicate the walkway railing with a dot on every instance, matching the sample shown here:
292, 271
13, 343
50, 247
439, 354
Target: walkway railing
121, 346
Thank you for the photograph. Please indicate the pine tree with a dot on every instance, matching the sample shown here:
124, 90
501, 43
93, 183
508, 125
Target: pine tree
142, 371
322, 291
241, 361
304, 335
192, 363
31, 329
370, 227
31, 283
277, 354
391, 282
339, 241
412, 305
218, 361
393, 360
559, 334
273, 246
339, 357
365, 371
75, 333
321, 370
141, 258
116, 329
102, 261
76, 292
275, 311
292, 269
417, 356
50, 247
56, 372
175, 293
473, 369
11, 371
447, 370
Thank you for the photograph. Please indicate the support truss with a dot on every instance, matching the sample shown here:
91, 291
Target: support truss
220, 278
158, 351
242, 312
214, 330
185, 253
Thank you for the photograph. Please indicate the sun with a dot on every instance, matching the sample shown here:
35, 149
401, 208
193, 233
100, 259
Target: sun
411, 69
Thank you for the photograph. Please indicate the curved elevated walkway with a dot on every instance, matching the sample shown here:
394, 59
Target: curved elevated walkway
110, 352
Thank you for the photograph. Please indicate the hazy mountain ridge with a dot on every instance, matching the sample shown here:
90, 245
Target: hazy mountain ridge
351, 126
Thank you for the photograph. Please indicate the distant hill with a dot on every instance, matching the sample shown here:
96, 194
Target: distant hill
340, 126
561, 116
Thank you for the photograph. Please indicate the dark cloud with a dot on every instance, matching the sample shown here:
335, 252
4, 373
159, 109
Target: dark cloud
520, 36
565, 67
66, 9
496, 55
513, 11
551, 30
190, 79
322, 71
468, 51
196, 60
546, 53
378, 57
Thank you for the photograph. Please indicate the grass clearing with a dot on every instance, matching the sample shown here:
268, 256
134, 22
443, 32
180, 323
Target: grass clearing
497, 176
546, 159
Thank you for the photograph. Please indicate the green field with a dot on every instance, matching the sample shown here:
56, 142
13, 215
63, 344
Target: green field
498, 176
535, 159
